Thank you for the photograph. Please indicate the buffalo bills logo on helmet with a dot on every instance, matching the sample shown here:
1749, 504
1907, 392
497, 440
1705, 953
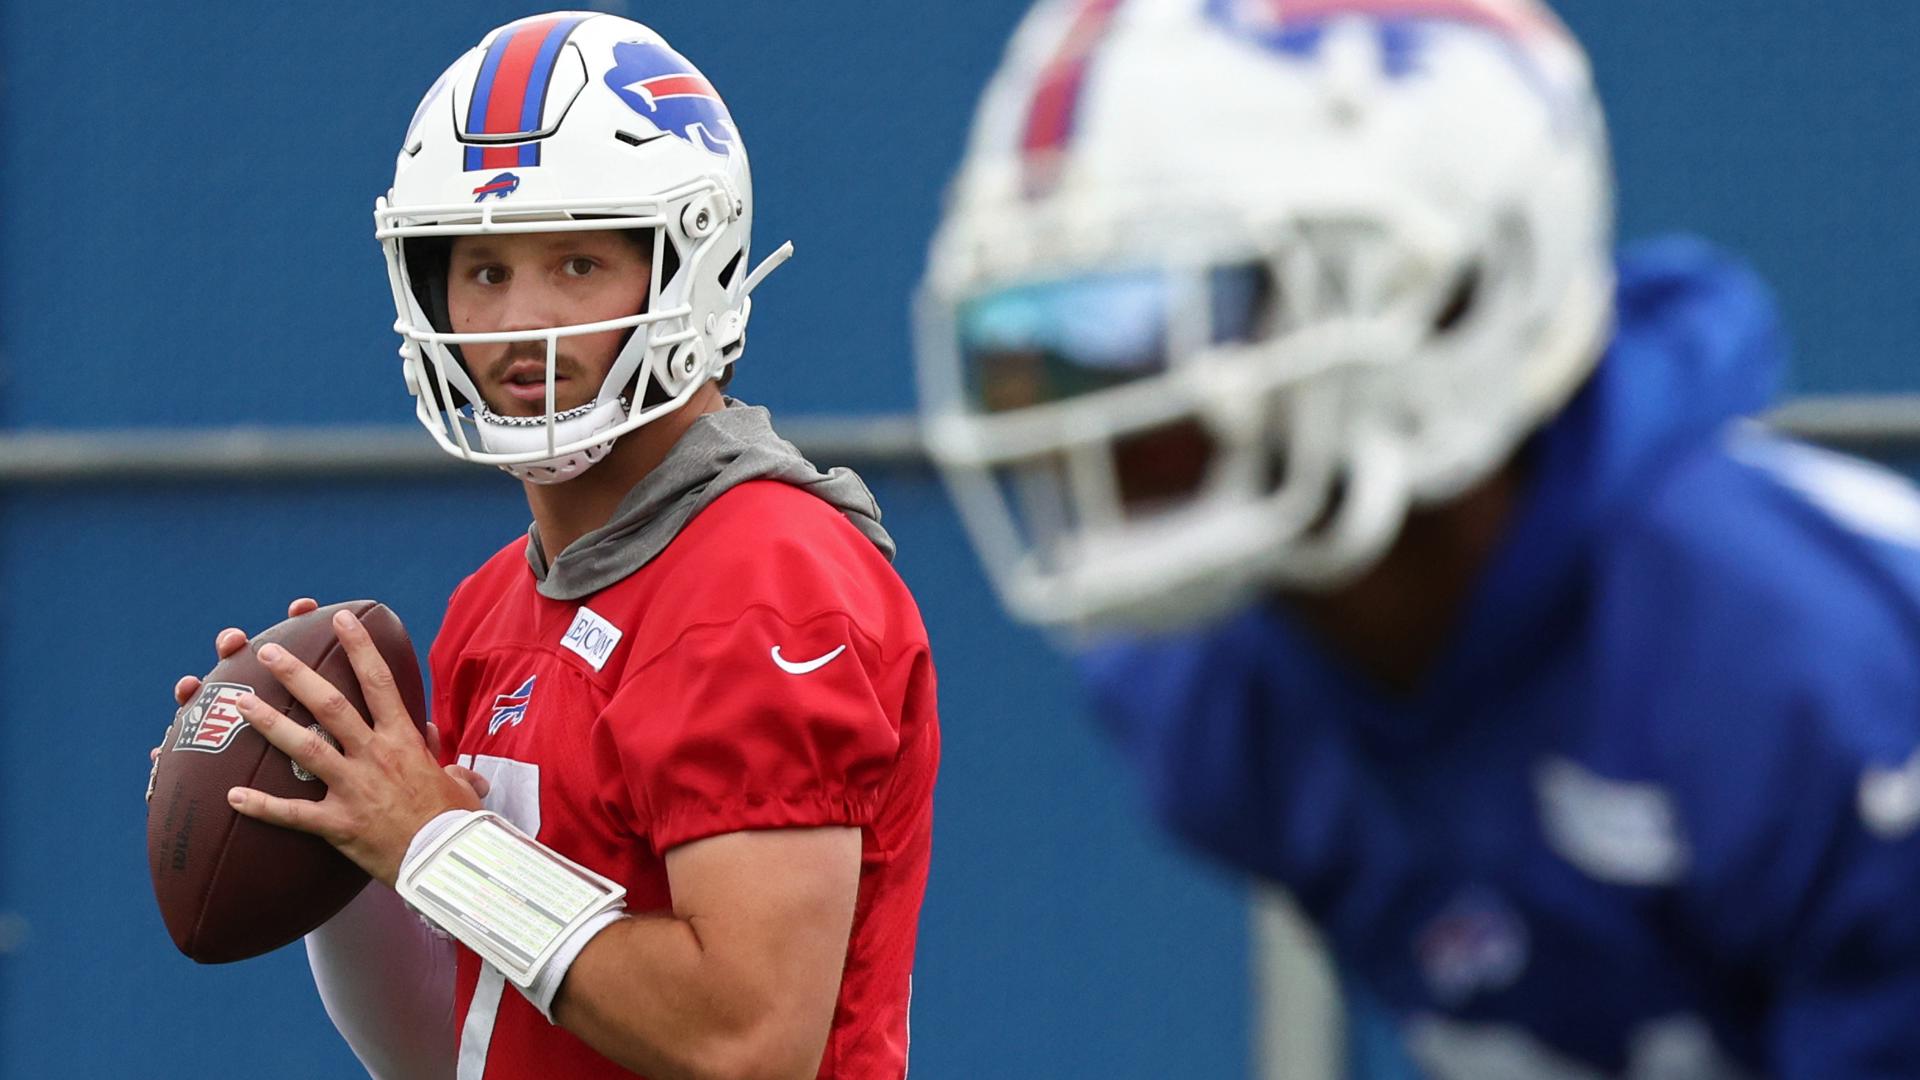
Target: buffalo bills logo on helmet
1298, 29
500, 187
666, 89
511, 708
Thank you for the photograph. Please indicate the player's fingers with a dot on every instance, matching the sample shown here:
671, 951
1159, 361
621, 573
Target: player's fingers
302, 814
302, 605
324, 700
432, 732
153, 755
376, 678
307, 747
184, 690
474, 780
229, 641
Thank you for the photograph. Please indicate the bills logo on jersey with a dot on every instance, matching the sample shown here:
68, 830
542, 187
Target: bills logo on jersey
511, 708
1477, 944
499, 187
671, 94
210, 721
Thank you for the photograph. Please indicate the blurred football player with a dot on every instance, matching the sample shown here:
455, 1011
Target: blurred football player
698, 701
1277, 354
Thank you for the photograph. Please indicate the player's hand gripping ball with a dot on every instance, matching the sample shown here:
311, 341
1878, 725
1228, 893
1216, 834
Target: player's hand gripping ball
231, 887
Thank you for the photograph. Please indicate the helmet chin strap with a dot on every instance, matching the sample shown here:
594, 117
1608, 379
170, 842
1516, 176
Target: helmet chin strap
528, 434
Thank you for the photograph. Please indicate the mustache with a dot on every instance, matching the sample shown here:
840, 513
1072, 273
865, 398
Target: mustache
564, 366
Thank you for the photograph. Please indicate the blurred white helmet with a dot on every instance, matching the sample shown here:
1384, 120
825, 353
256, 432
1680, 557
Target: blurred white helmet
560, 122
1225, 286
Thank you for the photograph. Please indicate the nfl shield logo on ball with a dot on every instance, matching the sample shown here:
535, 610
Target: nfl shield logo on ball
209, 722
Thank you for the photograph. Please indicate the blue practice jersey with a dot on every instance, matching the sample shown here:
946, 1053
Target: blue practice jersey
1656, 811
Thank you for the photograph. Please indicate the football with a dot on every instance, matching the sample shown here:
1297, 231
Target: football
231, 887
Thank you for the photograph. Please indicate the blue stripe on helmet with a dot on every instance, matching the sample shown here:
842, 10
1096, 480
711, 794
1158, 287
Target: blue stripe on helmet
536, 99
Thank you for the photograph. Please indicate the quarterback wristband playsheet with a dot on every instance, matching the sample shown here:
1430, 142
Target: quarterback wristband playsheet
503, 894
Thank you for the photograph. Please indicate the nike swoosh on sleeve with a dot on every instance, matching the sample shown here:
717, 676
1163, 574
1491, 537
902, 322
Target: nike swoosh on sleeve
804, 666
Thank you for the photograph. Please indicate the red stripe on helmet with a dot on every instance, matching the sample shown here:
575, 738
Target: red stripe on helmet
507, 97
680, 85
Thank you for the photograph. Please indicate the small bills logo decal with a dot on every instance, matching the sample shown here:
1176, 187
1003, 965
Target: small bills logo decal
500, 187
210, 721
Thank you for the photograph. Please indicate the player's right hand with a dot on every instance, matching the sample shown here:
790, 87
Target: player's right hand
233, 639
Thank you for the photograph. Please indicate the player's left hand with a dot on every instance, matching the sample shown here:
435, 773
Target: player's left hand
382, 783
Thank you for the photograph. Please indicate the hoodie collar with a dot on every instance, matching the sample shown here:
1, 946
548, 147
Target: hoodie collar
718, 452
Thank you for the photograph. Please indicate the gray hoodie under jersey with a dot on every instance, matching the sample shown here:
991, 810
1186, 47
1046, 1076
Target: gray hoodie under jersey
719, 452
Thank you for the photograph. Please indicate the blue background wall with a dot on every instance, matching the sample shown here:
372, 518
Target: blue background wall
185, 240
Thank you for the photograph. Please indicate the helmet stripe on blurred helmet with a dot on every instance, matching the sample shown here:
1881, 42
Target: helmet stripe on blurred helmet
1510, 19
1050, 118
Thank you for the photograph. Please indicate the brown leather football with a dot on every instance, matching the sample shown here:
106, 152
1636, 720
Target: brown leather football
231, 887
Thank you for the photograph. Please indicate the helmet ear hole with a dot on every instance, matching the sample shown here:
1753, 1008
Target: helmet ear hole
1461, 300
727, 271
428, 260
669, 261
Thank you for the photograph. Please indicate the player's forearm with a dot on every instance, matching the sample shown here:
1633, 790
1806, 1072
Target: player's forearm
646, 993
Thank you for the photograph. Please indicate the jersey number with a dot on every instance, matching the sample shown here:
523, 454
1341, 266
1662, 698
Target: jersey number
514, 794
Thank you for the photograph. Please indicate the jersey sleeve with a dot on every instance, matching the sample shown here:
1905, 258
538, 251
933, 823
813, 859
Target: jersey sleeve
754, 723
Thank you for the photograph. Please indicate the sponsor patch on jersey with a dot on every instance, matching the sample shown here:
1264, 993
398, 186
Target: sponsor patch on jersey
511, 708
209, 722
591, 637
1618, 831
1476, 944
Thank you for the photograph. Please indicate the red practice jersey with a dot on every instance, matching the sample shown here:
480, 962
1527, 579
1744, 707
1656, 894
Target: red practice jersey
767, 670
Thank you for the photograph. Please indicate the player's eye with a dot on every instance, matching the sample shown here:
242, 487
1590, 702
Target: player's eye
578, 266
490, 275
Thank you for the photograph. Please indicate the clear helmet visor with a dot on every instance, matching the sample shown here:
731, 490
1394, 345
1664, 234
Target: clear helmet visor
1048, 342
1110, 433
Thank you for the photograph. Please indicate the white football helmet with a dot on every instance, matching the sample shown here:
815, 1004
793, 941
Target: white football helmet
1225, 286
572, 121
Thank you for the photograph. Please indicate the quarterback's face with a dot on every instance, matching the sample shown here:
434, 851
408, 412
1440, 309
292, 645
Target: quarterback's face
535, 281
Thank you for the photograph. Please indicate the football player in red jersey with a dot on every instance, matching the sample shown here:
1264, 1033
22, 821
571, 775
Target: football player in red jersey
691, 714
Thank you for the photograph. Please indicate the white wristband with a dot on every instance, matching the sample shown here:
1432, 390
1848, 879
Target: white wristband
546, 985
520, 905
